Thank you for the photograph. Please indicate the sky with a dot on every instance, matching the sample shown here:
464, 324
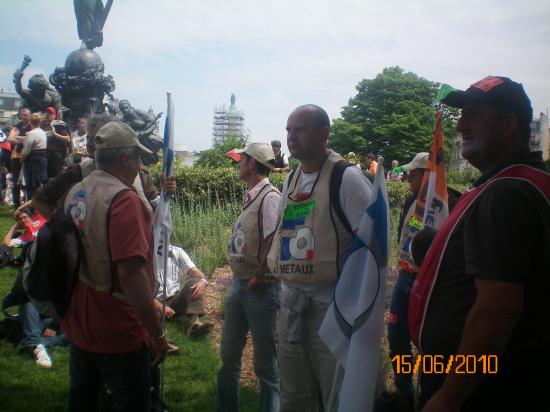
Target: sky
277, 55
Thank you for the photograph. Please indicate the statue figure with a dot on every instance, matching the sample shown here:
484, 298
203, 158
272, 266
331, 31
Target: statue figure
146, 126
82, 84
90, 19
39, 96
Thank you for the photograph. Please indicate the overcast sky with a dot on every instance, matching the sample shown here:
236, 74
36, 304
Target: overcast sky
276, 55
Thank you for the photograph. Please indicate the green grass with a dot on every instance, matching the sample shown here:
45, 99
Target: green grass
190, 376
204, 230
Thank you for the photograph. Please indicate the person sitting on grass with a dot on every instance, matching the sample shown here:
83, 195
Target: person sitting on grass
186, 300
25, 228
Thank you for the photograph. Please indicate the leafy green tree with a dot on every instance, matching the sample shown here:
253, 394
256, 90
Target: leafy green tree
215, 156
347, 137
392, 115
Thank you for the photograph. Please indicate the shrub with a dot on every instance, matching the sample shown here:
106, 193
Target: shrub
214, 186
462, 177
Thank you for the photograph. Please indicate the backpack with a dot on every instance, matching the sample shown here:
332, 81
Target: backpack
52, 264
5, 256
334, 190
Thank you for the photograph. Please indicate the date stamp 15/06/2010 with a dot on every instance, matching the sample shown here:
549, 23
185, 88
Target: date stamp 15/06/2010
439, 364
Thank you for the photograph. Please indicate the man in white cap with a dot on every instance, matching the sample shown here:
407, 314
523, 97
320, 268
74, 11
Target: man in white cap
111, 320
251, 303
398, 328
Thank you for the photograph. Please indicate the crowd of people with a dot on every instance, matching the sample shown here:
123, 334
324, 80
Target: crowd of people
476, 289
36, 149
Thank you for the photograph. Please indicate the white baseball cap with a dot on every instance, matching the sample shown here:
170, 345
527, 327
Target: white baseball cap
420, 161
261, 152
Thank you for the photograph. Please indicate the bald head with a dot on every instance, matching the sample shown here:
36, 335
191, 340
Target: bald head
319, 116
307, 133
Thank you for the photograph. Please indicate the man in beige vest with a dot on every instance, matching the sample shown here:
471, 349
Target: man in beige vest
251, 303
309, 249
111, 320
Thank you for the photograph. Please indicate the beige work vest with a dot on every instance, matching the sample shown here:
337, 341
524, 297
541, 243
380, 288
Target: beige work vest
311, 244
244, 244
88, 204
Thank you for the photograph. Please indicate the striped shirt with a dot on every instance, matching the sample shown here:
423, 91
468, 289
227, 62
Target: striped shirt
178, 265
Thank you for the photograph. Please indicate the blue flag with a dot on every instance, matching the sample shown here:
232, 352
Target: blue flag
352, 328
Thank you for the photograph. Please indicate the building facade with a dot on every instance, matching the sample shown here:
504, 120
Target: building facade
10, 103
540, 135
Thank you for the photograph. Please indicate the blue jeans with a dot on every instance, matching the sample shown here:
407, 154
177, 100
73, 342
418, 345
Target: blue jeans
257, 312
398, 328
126, 375
31, 328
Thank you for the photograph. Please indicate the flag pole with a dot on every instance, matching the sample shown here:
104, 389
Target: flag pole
163, 315
162, 219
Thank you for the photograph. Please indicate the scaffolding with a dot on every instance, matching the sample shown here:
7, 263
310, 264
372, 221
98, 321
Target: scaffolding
227, 121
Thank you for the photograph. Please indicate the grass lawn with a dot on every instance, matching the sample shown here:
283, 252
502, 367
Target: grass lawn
189, 375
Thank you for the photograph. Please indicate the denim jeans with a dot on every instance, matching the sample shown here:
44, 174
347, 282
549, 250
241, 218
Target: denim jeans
307, 368
126, 375
31, 328
398, 328
257, 312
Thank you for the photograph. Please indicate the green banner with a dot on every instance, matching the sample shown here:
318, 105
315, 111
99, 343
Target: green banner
444, 91
299, 210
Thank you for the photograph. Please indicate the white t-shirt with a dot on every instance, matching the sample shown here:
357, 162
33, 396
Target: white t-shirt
285, 159
355, 194
36, 139
79, 143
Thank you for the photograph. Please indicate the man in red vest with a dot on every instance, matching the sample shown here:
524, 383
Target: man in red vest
480, 300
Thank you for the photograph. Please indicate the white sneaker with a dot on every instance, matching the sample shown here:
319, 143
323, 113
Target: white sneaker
41, 356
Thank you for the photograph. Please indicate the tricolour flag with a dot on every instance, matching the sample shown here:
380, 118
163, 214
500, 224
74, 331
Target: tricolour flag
162, 220
432, 204
353, 325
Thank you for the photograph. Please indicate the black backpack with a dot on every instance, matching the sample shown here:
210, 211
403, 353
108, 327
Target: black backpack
52, 265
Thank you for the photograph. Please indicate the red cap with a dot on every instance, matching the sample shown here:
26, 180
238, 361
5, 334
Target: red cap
52, 110
232, 154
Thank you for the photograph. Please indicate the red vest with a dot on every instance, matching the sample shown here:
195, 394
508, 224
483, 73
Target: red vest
426, 278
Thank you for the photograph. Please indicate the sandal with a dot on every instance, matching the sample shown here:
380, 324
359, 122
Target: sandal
199, 329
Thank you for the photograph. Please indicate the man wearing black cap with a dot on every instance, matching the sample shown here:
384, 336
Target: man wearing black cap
479, 302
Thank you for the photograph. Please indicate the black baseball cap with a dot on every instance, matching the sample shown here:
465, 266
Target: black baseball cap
495, 89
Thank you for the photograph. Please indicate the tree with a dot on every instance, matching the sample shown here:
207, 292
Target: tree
215, 156
392, 115
346, 137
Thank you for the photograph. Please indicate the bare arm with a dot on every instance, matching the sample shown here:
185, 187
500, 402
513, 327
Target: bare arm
200, 287
487, 331
259, 276
66, 139
14, 137
168, 311
137, 291
9, 235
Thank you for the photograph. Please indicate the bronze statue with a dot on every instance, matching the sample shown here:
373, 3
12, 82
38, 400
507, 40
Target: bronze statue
90, 19
145, 124
82, 84
39, 96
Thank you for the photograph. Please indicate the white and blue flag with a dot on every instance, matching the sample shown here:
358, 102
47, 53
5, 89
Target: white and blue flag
162, 219
352, 328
